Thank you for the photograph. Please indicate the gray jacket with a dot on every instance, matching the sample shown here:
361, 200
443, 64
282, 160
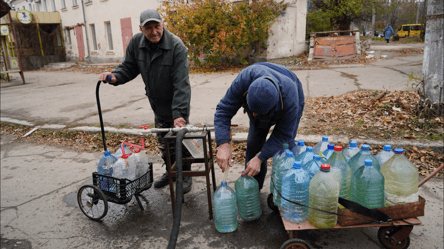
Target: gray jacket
164, 71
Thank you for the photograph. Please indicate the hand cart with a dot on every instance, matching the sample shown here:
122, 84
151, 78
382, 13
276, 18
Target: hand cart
93, 199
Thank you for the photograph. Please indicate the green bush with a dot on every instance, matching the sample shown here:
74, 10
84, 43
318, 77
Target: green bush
216, 30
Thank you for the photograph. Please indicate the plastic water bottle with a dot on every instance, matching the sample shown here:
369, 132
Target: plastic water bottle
337, 160
104, 167
225, 209
321, 146
120, 167
275, 161
132, 165
281, 169
351, 150
119, 153
367, 186
142, 163
248, 202
324, 195
327, 153
401, 180
385, 154
295, 186
305, 156
194, 145
358, 160
299, 148
313, 166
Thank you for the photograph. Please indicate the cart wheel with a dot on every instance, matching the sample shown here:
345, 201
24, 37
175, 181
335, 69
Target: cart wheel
271, 203
92, 201
295, 244
384, 234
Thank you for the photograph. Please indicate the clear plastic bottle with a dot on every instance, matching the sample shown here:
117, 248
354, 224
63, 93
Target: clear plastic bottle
132, 165
313, 166
104, 167
305, 156
120, 167
385, 154
358, 160
299, 148
401, 180
327, 153
142, 163
367, 186
277, 158
194, 145
337, 160
225, 209
295, 186
248, 202
324, 195
119, 153
351, 150
321, 146
282, 168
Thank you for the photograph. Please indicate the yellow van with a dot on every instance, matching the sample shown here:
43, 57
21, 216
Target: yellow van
410, 30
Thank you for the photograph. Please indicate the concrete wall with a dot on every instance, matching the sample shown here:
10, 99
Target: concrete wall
433, 63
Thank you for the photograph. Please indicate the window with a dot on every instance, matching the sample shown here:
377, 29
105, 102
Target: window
74, 2
37, 7
109, 34
58, 36
63, 4
53, 5
405, 28
93, 35
45, 8
68, 36
29, 7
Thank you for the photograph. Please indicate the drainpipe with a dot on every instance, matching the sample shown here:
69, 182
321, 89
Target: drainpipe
86, 31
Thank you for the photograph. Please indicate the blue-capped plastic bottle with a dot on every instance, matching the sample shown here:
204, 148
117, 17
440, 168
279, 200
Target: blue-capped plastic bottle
119, 153
295, 186
358, 160
367, 186
281, 169
401, 180
120, 167
324, 195
327, 153
321, 146
225, 209
277, 158
313, 166
337, 160
305, 156
104, 167
351, 150
385, 154
248, 202
299, 148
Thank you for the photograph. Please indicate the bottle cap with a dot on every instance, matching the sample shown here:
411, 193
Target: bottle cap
297, 165
285, 145
330, 146
316, 157
338, 148
353, 144
301, 143
325, 167
399, 151
324, 138
365, 147
125, 156
387, 147
309, 148
223, 184
107, 153
289, 153
368, 162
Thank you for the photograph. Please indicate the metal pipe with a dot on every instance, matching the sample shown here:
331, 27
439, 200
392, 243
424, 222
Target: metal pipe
86, 30
431, 175
190, 129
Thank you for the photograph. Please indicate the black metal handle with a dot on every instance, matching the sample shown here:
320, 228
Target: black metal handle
100, 115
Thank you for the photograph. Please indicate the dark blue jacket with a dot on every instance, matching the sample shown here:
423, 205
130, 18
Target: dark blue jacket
293, 104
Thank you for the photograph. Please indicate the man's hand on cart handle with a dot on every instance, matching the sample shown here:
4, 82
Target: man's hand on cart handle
179, 122
253, 167
107, 77
223, 156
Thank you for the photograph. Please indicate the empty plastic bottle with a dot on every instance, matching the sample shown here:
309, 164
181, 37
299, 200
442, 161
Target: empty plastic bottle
367, 186
248, 202
351, 150
132, 165
305, 156
401, 180
313, 166
337, 160
277, 159
281, 169
104, 167
358, 160
324, 195
142, 163
295, 186
120, 167
225, 209
321, 146
327, 153
119, 153
385, 154
299, 148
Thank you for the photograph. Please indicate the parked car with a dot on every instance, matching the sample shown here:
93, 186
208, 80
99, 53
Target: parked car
410, 30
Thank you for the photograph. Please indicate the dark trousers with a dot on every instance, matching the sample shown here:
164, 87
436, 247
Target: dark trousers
387, 40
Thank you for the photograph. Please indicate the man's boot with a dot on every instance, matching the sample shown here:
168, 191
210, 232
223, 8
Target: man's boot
162, 181
187, 180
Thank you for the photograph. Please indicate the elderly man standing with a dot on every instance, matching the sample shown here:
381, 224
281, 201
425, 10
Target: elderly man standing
270, 94
161, 58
